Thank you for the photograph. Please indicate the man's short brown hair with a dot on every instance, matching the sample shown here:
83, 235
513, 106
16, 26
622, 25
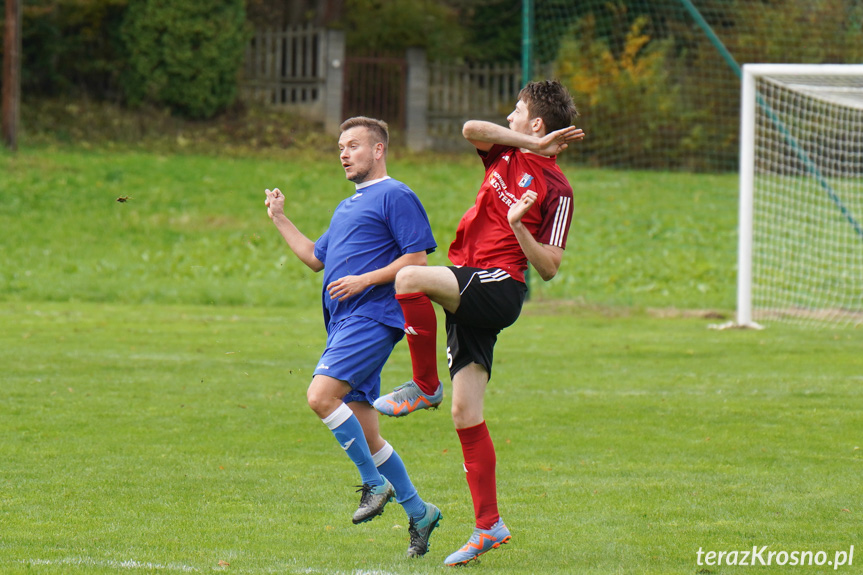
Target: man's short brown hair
551, 101
378, 128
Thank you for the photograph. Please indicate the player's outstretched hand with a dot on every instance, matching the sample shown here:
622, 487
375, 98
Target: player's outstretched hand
275, 203
555, 142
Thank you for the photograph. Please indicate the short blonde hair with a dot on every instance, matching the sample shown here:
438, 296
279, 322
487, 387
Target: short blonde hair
378, 128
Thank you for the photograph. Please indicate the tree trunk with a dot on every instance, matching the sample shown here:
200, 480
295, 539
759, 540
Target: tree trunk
11, 73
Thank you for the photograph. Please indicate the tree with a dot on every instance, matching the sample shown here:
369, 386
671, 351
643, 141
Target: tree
11, 73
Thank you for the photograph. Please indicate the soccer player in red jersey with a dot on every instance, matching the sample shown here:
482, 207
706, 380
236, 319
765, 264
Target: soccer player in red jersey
522, 214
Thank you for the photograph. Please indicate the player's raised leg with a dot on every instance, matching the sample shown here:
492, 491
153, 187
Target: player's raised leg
416, 288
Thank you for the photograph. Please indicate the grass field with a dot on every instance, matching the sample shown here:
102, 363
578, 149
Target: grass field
155, 356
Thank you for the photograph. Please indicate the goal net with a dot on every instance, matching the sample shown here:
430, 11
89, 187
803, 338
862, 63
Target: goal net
801, 194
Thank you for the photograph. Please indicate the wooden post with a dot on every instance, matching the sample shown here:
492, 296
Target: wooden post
11, 73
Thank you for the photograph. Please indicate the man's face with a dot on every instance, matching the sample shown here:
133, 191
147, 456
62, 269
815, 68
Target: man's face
357, 153
520, 120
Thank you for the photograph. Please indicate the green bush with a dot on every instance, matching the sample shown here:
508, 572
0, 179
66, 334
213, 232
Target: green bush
184, 54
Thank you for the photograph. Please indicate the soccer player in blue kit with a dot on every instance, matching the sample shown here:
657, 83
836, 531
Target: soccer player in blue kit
380, 229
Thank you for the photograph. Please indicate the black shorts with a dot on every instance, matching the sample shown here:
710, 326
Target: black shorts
490, 301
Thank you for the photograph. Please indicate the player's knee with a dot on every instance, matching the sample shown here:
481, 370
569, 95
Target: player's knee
319, 402
464, 416
313, 399
407, 279
456, 412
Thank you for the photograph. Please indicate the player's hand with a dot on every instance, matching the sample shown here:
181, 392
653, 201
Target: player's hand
518, 210
275, 203
346, 287
554, 143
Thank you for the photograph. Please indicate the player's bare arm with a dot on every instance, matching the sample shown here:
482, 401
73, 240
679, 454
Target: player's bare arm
303, 247
544, 258
349, 286
483, 135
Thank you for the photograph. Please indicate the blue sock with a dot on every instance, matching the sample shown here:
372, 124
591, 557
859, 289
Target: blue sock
393, 468
349, 433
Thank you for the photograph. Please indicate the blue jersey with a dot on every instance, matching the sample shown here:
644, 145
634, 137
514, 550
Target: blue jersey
368, 231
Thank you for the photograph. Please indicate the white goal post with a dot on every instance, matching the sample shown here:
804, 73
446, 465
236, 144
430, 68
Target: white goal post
800, 252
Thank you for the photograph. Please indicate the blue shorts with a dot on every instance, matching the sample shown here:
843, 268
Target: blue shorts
357, 349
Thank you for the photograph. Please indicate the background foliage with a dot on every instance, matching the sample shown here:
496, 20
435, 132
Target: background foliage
648, 78
633, 64
184, 54
372, 26
72, 47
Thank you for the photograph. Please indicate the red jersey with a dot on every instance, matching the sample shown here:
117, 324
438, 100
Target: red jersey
484, 238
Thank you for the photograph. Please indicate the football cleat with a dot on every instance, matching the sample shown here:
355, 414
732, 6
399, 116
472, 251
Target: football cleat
481, 541
373, 500
406, 399
421, 530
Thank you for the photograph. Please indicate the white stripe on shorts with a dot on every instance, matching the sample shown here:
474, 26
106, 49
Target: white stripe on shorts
486, 277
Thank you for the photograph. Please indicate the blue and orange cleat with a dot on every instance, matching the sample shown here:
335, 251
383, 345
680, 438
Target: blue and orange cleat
481, 541
406, 399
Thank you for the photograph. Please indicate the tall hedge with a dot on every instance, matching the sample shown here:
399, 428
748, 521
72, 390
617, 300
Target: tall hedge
184, 54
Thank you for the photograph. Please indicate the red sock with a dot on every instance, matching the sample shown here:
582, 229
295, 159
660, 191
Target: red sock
421, 329
479, 461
